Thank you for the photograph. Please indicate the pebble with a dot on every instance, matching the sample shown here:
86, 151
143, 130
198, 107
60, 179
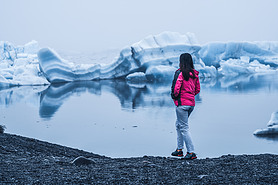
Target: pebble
82, 161
2, 129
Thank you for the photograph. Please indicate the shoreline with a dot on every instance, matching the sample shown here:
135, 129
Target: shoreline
30, 161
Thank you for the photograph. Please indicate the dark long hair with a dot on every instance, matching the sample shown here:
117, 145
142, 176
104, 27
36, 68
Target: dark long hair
186, 66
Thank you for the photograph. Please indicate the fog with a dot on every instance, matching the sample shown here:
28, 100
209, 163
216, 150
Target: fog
89, 26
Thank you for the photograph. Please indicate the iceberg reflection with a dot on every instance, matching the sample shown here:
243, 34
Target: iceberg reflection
131, 96
270, 137
243, 83
56, 94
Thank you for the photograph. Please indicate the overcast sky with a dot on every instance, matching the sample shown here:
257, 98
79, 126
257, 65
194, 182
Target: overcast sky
95, 25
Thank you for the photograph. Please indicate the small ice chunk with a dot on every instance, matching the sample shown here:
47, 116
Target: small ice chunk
267, 131
272, 126
137, 77
273, 119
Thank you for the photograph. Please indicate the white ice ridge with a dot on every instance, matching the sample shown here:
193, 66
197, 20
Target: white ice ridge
156, 57
272, 126
159, 50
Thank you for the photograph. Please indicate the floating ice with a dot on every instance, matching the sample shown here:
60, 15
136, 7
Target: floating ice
137, 77
55, 69
243, 66
156, 56
273, 130
19, 65
164, 49
159, 50
264, 52
272, 126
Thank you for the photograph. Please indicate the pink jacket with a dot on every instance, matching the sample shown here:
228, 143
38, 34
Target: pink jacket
185, 91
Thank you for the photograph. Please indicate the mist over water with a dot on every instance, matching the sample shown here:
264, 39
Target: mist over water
118, 119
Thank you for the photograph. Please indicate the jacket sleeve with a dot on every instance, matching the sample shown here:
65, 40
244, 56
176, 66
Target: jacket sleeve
197, 86
178, 85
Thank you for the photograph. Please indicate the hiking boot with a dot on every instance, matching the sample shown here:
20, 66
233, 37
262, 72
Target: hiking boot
177, 153
190, 156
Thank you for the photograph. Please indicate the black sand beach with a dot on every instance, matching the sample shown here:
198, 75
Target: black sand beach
29, 161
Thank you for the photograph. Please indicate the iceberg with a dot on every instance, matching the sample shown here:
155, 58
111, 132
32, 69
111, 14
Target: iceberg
19, 65
272, 127
155, 57
243, 66
161, 51
55, 69
264, 52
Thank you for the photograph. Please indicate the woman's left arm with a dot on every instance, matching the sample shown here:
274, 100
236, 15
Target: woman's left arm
178, 85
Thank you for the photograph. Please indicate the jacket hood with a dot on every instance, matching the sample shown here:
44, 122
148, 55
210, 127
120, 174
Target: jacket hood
195, 72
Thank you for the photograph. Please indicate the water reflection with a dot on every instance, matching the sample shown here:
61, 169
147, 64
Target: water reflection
131, 96
26, 94
243, 83
56, 94
270, 137
89, 110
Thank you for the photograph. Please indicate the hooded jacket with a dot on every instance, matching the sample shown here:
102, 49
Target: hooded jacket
184, 92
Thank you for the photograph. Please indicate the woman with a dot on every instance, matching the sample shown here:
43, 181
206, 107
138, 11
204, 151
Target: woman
185, 87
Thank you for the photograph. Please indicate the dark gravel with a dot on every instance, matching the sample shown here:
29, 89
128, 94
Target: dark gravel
29, 161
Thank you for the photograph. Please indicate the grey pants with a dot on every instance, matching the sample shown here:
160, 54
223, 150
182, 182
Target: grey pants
182, 127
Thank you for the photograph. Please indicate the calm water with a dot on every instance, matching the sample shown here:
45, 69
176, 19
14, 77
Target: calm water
117, 119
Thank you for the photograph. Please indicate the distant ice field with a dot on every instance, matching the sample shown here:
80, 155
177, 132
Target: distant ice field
156, 56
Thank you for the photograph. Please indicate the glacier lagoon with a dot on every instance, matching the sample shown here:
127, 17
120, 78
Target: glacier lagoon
118, 119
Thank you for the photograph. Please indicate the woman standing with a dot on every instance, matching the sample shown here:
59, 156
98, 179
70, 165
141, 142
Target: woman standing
185, 87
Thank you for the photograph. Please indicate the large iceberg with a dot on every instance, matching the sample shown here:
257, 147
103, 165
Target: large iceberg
156, 57
160, 51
